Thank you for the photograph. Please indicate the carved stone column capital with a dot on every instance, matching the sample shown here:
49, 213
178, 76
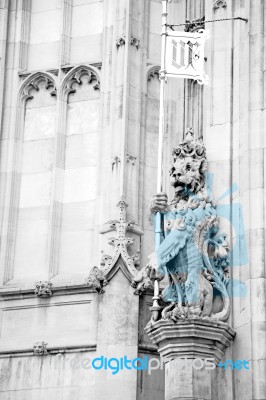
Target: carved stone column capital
194, 338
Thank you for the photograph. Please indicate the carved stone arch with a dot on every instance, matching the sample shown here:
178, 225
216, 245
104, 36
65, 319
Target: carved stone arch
152, 72
32, 82
25, 92
74, 76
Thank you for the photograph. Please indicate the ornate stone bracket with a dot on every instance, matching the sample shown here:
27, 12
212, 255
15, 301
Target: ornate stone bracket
192, 339
219, 3
96, 280
120, 243
43, 289
39, 349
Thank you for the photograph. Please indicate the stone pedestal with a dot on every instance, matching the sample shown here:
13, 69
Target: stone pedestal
190, 348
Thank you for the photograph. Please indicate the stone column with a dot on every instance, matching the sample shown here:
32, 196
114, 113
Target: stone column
190, 348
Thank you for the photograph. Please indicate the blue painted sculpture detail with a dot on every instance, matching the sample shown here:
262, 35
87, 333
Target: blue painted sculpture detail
192, 254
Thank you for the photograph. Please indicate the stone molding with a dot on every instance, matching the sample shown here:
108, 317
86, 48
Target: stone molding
194, 338
51, 350
16, 293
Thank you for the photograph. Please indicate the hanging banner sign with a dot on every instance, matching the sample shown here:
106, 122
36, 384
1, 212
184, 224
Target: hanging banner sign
185, 55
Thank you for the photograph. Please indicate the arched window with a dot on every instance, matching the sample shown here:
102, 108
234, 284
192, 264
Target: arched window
34, 158
81, 99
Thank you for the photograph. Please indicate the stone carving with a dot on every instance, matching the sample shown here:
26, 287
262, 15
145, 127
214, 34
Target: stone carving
96, 280
39, 349
43, 289
136, 258
195, 25
131, 159
219, 3
120, 243
135, 42
121, 41
153, 72
34, 83
105, 258
76, 78
192, 255
116, 160
143, 280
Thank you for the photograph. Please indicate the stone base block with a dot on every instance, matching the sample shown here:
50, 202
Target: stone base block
191, 338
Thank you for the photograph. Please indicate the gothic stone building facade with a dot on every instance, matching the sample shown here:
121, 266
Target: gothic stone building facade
79, 112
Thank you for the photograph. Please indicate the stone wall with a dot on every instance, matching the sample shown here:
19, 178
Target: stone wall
79, 101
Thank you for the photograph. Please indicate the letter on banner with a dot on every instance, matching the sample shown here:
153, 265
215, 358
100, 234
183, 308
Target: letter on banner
185, 55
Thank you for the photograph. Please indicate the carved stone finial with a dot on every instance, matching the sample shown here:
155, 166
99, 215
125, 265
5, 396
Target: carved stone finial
39, 349
189, 134
43, 289
219, 3
121, 242
96, 279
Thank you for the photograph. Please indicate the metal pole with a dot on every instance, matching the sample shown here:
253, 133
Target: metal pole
162, 90
156, 307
